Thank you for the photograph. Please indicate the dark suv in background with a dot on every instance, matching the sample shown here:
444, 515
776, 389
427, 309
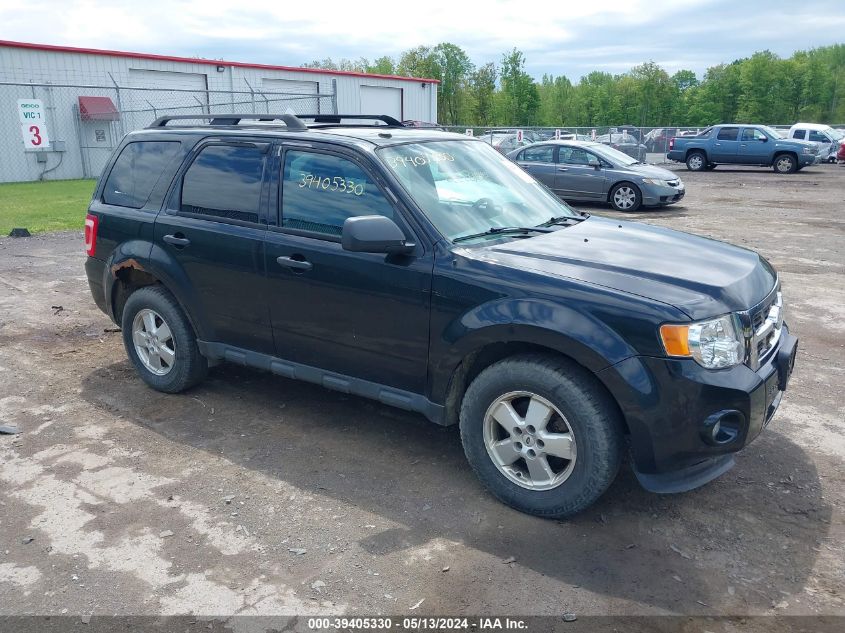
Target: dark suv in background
427, 271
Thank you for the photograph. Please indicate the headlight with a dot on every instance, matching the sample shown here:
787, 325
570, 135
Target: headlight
809, 150
714, 344
655, 181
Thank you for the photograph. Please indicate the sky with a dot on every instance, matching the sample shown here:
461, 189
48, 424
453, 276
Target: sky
559, 37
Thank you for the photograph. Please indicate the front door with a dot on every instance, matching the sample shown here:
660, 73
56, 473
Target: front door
576, 178
754, 147
363, 315
726, 146
213, 226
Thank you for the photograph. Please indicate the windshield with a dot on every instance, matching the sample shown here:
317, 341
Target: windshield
613, 155
772, 133
836, 134
467, 187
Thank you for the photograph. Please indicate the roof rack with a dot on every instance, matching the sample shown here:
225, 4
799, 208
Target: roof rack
335, 119
292, 122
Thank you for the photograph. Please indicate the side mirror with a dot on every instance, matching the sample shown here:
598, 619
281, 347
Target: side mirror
765, 139
373, 234
594, 162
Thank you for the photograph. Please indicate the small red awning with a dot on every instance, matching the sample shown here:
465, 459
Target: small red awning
97, 109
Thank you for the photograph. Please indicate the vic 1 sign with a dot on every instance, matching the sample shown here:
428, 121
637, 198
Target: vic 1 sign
33, 124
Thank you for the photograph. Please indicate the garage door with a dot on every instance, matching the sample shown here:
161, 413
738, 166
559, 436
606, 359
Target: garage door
290, 86
166, 79
142, 106
273, 87
380, 100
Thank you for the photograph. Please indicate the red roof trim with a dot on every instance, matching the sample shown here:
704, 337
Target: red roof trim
208, 62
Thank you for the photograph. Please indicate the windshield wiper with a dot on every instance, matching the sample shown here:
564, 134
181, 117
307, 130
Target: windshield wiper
497, 230
566, 220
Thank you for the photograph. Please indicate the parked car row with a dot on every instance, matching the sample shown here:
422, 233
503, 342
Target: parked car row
592, 171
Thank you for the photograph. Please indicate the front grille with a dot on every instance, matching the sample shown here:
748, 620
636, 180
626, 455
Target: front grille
762, 328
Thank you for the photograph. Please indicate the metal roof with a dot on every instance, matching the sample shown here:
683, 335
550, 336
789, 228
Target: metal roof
208, 62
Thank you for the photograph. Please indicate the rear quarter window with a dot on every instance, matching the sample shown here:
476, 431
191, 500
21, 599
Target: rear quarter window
728, 134
137, 171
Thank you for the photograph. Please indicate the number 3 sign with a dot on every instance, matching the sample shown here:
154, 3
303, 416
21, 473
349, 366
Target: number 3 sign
33, 124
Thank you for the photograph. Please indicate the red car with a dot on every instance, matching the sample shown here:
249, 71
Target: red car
840, 155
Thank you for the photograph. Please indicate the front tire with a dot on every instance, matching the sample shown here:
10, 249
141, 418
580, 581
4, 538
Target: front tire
160, 341
625, 197
696, 161
785, 164
541, 434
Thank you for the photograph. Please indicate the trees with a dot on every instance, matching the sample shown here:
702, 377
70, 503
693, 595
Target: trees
519, 99
808, 86
455, 69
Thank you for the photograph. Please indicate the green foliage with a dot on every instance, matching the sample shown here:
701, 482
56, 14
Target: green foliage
764, 88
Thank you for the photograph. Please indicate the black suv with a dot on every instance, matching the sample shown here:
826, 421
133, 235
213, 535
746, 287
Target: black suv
427, 271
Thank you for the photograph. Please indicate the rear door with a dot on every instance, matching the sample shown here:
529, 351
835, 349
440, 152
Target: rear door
541, 162
726, 145
213, 226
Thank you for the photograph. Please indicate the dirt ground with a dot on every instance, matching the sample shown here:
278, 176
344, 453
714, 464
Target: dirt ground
253, 494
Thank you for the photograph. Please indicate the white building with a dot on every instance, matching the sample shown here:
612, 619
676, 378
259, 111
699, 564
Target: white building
89, 98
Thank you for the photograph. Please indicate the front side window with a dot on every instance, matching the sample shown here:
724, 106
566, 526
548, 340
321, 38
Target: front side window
728, 134
540, 154
319, 191
752, 134
224, 182
818, 137
465, 187
574, 156
136, 172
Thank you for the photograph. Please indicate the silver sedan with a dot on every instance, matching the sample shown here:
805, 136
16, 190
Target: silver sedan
586, 171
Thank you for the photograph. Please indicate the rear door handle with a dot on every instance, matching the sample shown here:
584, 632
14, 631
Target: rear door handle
296, 264
177, 240
563, 168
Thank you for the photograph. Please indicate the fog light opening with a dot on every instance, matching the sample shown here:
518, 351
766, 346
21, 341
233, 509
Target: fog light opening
722, 428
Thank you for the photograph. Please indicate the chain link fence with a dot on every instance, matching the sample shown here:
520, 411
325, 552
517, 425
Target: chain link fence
81, 125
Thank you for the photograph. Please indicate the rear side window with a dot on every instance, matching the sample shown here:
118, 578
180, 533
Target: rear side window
541, 154
319, 191
136, 172
799, 134
728, 134
224, 181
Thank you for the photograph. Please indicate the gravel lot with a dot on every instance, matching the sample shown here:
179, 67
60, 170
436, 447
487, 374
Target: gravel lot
256, 495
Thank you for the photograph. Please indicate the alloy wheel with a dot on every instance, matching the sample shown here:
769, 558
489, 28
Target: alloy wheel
624, 198
154, 342
529, 440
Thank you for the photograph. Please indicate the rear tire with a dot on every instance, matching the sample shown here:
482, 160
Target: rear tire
785, 164
696, 161
541, 434
160, 341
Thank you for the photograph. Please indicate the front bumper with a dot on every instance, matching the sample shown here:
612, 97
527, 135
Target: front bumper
809, 159
655, 194
671, 407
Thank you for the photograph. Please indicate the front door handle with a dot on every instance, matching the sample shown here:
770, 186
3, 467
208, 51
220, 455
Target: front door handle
178, 240
296, 264
562, 168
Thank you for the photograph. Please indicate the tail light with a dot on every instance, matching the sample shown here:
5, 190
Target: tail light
91, 224
671, 143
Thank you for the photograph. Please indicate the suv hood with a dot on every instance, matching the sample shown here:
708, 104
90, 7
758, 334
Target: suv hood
702, 277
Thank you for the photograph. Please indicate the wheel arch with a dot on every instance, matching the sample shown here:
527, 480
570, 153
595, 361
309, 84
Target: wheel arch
496, 343
132, 266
